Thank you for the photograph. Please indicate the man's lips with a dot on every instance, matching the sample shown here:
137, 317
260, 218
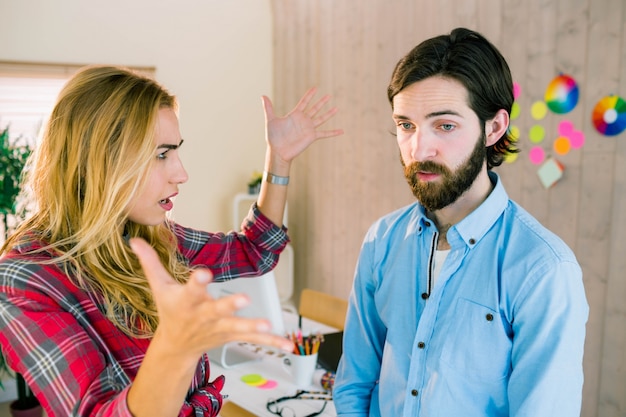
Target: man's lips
427, 176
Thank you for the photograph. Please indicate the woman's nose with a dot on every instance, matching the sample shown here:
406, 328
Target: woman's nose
180, 175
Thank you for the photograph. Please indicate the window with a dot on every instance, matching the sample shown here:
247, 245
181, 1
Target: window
27, 95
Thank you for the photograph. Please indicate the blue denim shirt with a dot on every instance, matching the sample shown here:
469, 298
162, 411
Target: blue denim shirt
501, 333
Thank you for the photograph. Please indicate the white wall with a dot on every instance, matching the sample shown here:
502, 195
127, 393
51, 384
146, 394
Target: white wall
215, 55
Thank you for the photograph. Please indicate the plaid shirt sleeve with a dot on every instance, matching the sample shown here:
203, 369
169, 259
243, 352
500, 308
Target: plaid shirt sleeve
252, 252
49, 332
75, 360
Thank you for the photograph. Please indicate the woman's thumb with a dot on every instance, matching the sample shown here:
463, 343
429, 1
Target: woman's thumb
155, 272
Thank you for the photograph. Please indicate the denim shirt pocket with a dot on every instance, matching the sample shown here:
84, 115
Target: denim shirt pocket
476, 344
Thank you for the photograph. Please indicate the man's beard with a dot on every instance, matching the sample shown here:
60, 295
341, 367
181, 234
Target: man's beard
434, 195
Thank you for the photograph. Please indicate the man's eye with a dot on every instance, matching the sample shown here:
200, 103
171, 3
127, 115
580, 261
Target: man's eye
447, 127
405, 125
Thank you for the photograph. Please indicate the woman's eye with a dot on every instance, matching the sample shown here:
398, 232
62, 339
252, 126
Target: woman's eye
162, 155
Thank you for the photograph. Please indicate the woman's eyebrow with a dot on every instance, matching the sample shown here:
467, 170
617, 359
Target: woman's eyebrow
170, 146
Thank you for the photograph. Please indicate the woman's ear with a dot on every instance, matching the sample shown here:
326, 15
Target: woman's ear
496, 127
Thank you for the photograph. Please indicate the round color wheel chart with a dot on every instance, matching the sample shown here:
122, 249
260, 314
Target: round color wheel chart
609, 115
562, 94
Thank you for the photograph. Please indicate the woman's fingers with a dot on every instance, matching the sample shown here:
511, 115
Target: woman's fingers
155, 272
317, 106
306, 98
192, 317
257, 331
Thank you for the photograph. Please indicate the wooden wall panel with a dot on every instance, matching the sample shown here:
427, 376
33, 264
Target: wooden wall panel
348, 48
612, 385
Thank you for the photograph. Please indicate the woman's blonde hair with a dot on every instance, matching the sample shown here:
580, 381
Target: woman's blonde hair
94, 156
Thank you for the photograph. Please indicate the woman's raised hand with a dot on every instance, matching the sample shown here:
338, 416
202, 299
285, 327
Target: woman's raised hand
289, 135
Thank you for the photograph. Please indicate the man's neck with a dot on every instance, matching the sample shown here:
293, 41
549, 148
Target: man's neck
461, 208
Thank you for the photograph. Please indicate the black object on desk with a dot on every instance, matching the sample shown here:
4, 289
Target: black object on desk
330, 351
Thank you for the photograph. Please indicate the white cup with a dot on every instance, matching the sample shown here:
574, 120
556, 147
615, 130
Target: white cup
301, 368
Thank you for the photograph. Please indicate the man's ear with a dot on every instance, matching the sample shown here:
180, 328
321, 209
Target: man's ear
496, 127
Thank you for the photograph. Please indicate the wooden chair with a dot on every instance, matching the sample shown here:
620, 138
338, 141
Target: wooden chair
233, 410
323, 308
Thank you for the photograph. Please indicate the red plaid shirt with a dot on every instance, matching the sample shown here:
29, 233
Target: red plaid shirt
74, 359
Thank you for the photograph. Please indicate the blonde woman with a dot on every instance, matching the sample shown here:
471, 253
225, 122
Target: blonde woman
103, 302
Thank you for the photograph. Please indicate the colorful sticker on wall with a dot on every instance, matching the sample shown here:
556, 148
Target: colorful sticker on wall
574, 138
536, 134
538, 110
514, 133
609, 115
550, 172
562, 94
536, 155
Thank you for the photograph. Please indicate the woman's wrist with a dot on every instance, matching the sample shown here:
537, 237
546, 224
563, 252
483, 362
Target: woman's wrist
275, 179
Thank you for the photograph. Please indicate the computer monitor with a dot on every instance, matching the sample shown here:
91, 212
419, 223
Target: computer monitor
264, 303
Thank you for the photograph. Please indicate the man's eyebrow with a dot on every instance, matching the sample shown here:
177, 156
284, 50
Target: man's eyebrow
170, 146
431, 115
443, 113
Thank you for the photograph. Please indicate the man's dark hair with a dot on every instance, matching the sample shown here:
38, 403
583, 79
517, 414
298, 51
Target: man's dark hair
469, 58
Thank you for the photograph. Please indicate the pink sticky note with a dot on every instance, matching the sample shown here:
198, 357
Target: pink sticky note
566, 127
577, 139
269, 384
536, 155
516, 90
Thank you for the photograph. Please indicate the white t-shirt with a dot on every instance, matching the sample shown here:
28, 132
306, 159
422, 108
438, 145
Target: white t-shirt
440, 257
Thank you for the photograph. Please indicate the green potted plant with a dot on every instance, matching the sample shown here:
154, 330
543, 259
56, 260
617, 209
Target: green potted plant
13, 158
254, 185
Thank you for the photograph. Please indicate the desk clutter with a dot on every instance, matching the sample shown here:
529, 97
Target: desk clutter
256, 385
275, 407
327, 347
305, 345
256, 380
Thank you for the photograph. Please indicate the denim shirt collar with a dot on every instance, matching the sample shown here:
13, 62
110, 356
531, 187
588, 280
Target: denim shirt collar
474, 226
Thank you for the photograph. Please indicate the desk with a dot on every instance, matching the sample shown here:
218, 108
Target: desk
269, 367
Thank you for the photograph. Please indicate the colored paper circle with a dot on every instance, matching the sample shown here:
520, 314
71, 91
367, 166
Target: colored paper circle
536, 155
577, 139
269, 384
515, 110
609, 115
536, 133
565, 128
514, 132
561, 145
516, 90
538, 110
253, 379
562, 94
510, 157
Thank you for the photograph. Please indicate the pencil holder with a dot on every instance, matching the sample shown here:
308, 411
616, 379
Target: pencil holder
301, 368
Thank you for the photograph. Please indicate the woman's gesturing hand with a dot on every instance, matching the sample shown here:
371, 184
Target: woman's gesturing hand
190, 320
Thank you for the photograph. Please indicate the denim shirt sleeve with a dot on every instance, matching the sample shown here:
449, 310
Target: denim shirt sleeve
359, 367
547, 355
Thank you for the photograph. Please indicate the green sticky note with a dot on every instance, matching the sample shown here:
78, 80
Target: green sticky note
550, 172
